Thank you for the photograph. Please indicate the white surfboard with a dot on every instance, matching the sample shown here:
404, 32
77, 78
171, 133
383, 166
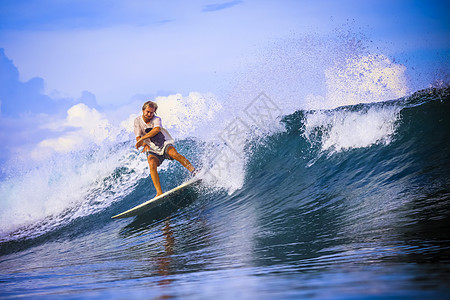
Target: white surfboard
137, 210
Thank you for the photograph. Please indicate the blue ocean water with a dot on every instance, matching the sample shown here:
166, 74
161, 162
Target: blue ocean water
346, 203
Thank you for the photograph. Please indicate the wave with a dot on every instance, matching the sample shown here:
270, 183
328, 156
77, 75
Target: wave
382, 156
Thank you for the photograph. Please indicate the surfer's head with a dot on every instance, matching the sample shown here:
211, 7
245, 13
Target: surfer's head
150, 104
148, 110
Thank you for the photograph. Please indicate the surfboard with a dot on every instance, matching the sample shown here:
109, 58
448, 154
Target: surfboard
146, 206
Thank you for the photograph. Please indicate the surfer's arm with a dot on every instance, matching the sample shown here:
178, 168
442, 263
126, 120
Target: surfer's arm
152, 133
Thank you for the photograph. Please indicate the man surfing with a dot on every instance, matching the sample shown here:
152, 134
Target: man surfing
157, 143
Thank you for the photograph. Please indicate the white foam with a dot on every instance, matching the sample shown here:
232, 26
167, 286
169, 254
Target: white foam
361, 79
224, 168
343, 130
65, 188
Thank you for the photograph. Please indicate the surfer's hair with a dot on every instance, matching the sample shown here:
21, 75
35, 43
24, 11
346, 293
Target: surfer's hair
150, 104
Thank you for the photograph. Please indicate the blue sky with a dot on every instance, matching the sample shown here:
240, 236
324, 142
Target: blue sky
109, 55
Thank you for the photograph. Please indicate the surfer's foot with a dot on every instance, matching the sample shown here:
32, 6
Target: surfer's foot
158, 194
194, 172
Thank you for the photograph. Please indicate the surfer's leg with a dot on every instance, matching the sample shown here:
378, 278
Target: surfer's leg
173, 153
153, 163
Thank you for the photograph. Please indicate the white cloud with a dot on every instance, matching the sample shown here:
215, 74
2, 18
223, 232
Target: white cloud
81, 127
91, 123
62, 144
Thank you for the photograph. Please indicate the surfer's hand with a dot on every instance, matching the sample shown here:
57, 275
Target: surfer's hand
140, 143
146, 148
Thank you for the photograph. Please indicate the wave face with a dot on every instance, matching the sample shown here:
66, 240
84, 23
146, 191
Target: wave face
329, 200
372, 172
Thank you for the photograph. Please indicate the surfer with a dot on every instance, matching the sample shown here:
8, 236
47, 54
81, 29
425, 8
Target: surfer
157, 143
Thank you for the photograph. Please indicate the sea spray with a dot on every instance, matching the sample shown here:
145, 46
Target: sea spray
66, 187
361, 79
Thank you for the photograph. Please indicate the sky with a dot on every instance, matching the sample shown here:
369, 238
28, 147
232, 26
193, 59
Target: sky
71, 67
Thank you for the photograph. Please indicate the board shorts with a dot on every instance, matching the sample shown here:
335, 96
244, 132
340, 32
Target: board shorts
161, 158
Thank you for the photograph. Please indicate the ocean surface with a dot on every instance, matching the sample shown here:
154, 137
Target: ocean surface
351, 202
